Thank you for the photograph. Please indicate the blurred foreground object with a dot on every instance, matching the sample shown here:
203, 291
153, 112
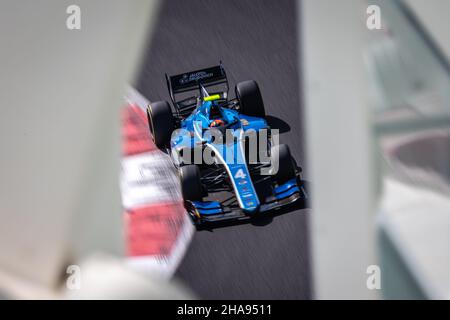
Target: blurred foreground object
339, 147
408, 62
109, 278
158, 230
60, 140
378, 119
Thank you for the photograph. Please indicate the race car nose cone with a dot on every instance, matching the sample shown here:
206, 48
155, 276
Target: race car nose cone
251, 207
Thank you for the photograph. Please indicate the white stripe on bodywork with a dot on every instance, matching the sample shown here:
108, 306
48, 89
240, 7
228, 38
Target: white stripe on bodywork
222, 160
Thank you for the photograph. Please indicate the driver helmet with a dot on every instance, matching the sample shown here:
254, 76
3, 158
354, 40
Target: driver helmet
217, 123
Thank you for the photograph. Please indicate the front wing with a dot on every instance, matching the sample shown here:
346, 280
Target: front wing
213, 211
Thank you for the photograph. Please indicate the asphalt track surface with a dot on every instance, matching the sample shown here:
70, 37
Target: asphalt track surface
256, 40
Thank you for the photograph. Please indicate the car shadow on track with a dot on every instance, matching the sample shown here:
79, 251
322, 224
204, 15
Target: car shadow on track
277, 123
264, 219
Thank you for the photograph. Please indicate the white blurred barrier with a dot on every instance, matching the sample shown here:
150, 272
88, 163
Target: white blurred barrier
339, 147
59, 135
413, 134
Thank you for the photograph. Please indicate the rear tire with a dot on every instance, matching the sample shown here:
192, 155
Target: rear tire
250, 99
191, 186
281, 158
160, 122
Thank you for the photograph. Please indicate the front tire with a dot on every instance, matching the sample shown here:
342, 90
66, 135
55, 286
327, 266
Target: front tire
283, 167
161, 122
191, 186
250, 99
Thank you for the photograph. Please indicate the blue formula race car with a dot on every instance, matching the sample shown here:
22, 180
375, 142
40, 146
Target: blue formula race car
230, 166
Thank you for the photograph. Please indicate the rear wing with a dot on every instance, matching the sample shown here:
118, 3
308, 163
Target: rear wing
193, 80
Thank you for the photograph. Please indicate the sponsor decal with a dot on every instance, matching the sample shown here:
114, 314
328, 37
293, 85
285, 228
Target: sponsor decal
194, 77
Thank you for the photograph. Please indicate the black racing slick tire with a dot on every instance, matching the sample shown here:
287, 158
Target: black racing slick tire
160, 122
250, 99
283, 167
191, 186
